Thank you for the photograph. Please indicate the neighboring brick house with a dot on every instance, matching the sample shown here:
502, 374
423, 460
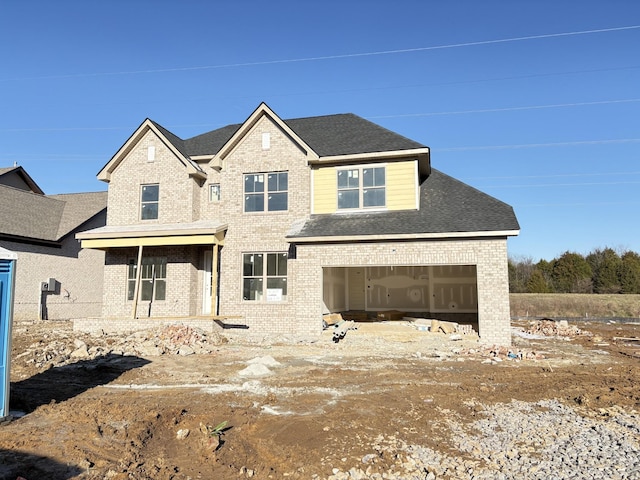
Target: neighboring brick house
271, 223
41, 230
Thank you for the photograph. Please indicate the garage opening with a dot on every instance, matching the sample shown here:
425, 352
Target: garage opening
441, 292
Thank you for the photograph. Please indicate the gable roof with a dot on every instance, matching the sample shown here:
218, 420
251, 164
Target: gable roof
9, 174
448, 208
173, 142
35, 218
323, 136
327, 135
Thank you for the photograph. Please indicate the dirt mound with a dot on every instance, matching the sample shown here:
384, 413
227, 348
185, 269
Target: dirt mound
320, 413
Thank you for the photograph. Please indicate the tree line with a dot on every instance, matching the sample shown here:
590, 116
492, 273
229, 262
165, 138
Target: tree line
601, 271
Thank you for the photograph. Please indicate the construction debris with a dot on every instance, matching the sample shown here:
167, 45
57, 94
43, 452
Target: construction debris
552, 328
341, 329
169, 340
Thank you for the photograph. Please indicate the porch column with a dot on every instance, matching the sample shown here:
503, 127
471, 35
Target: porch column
137, 286
214, 279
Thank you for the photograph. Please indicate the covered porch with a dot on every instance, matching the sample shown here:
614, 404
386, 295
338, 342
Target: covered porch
159, 270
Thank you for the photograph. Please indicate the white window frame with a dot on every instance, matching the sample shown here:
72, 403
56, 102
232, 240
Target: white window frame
153, 275
267, 192
359, 171
144, 202
214, 192
269, 275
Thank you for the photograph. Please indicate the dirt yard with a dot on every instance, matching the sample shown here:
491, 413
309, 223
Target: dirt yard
87, 407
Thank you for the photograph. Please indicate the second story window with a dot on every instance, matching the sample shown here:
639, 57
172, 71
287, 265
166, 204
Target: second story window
361, 187
214, 192
266, 192
149, 197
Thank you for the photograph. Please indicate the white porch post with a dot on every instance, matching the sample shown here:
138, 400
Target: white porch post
137, 286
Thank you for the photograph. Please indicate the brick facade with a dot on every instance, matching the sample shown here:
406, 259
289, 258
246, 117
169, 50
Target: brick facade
185, 198
78, 273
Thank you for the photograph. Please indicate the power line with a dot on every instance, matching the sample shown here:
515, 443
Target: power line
508, 109
535, 145
599, 204
554, 176
405, 115
338, 56
541, 185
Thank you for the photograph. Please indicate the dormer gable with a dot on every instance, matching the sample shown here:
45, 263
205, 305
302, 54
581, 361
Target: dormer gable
171, 141
243, 130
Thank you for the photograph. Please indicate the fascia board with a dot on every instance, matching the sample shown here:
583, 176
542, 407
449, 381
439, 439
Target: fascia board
159, 232
404, 236
370, 156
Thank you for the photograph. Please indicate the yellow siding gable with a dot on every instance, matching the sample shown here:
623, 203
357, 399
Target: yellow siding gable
401, 187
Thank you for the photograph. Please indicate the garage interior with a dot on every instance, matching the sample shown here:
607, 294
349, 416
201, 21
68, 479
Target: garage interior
365, 293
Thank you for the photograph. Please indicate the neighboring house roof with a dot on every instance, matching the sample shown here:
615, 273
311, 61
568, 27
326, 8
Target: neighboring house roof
9, 175
31, 217
78, 208
448, 208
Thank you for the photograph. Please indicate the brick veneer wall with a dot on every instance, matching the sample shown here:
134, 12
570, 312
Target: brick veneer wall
78, 273
262, 232
183, 199
489, 256
179, 194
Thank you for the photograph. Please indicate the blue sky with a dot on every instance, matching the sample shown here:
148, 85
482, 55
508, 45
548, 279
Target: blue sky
534, 102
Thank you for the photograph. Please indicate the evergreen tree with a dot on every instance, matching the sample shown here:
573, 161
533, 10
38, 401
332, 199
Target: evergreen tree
605, 266
572, 274
630, 272
546, 269
537, 283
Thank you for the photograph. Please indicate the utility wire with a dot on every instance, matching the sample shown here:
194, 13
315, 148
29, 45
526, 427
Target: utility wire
534, 145
339, 56
508, 109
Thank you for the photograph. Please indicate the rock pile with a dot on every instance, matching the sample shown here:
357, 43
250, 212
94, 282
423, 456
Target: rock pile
553, 328
516, 440
68, 348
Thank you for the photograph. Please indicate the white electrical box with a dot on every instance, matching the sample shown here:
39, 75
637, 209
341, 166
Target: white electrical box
48, 286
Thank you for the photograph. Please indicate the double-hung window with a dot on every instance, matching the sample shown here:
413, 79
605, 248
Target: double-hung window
153, 279
361, 187
149, 199
264, 276
266, 192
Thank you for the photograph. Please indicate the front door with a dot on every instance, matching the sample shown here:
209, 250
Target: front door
207, 284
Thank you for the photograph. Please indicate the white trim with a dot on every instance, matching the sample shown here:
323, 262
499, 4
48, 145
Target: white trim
402, 236
370, 155
312, 200
417, 185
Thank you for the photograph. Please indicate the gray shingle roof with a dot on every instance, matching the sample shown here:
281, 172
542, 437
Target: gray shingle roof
327, 135
346, 134
34, 217
446, 206
18, 177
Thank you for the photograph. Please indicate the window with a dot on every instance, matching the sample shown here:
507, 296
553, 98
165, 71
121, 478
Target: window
153, 279
149, 202
272, 198
362, 187
264, 276
214, 192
